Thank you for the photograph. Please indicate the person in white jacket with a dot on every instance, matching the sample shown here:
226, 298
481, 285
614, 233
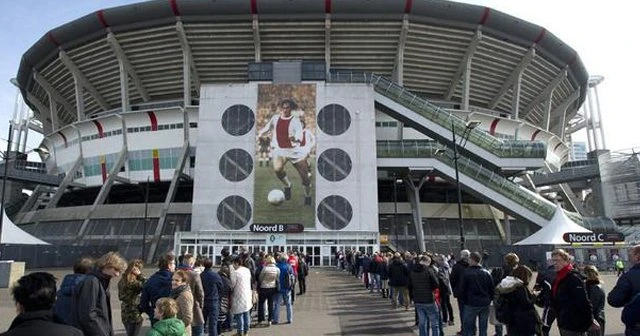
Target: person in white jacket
241, 296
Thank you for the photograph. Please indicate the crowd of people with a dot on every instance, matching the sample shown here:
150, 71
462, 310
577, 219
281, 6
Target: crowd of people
179, 300
192, 296
572, 298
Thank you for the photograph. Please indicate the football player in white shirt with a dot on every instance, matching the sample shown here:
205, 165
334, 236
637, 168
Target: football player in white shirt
288, 133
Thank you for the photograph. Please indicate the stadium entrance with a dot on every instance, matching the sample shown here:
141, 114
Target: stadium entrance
320, 247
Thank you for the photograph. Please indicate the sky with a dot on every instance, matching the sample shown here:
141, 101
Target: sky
603, 34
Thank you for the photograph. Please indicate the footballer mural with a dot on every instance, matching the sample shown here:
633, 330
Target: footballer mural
285, 155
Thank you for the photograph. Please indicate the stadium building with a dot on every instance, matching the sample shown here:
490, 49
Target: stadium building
175, 125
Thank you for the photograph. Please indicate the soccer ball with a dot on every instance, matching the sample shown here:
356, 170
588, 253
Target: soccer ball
275, 197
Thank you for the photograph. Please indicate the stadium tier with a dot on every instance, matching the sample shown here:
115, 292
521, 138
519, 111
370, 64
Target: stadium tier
296, 124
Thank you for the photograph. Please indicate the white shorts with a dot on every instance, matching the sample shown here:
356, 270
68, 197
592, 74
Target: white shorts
294, 155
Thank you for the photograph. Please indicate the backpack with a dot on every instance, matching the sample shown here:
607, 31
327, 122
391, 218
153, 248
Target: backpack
631, 312
289, 279
304, 268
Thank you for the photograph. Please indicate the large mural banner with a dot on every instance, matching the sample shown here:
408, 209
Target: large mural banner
285, 155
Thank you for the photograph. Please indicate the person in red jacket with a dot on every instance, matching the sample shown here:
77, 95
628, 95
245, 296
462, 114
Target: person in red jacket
293, 261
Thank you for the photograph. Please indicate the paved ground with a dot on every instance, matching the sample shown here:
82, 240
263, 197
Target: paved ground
335, 304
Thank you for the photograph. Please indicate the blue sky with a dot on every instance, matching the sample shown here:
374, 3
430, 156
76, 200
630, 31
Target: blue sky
603, 34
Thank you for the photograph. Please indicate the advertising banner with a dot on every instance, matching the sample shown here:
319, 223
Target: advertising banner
284, 190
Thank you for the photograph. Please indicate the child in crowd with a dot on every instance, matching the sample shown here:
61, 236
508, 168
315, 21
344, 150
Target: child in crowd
168, 324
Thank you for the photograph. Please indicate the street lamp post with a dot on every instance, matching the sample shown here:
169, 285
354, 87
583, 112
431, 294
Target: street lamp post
4, 178
467, 131
459, 192
146, 219
395, 210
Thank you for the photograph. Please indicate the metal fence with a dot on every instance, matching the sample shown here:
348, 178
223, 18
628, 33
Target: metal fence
50, 256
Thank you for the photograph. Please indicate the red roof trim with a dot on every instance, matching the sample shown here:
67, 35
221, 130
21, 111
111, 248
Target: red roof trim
174, 7
485, 15
407, 6
493, 126
573, 59
64, 138
53, 39
102, 19
543, 32
99, 127
154, 120
534, 135
556, 147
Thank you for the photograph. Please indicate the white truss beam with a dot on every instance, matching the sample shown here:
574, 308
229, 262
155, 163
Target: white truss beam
189, 63
122, 58
402, 40
561, 110
546, 93
82, 80
513, 77
54, 95
462, 67
38, 104
256, 37
327, 42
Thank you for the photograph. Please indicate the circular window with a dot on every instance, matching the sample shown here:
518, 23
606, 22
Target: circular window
335, 212
238, 120
334, 164
236, 165
234, 212
334, 119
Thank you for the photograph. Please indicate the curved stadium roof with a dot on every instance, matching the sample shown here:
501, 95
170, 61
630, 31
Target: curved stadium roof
430, 39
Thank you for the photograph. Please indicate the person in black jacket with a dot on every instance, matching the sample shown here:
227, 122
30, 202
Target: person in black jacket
457, 272
158, 286
544, 280
511, 261
476, 293
596, 295
627, 287
399, 281
62, 307
522, 317
569, 298
91, 300
422, 283
34, 295
303, 272
212, 286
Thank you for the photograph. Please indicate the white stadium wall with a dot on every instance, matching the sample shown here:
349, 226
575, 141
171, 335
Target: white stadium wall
345, 185
359, 187
211, 188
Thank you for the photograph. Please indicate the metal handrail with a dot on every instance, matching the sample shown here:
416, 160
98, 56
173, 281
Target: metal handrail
502, 148
466, 166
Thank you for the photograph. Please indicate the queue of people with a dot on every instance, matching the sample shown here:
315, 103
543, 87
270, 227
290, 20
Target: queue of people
507, 295
182, 300
573, 299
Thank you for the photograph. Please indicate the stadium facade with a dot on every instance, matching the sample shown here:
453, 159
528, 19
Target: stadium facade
152, 116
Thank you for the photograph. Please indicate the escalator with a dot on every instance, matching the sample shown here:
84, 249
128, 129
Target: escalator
475, 178
437, 124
